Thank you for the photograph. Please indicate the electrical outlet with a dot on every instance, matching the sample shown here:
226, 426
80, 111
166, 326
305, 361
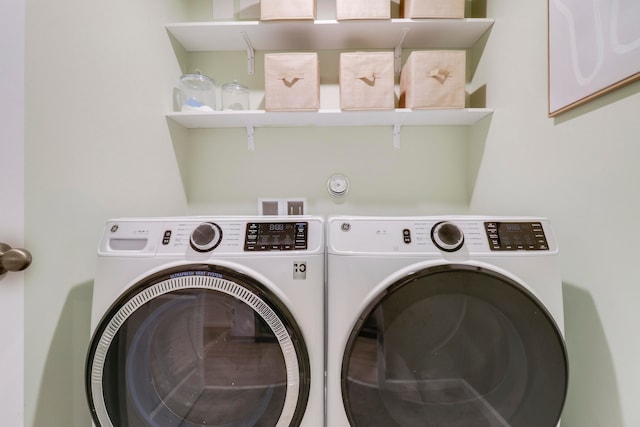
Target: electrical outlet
295, 207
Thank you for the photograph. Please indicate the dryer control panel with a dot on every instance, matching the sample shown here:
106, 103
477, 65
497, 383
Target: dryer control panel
516, 236
452, 236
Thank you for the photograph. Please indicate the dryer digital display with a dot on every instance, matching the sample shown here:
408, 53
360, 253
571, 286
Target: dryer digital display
276, 236
516, 236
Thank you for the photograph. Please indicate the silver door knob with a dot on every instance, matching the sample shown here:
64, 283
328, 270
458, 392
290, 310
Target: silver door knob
13, 259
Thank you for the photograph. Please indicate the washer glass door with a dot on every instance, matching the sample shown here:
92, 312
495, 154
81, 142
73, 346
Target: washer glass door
455, 346
198, 346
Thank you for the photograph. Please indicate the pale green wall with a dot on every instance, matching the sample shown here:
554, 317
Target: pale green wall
581, 170
100, 77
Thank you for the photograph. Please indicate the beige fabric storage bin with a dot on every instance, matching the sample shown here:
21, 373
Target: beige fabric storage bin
432, 8
271, 10
433, 79
363, 9
366, 81
292, 82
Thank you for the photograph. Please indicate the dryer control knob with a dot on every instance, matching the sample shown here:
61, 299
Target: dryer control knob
447, 236
206, 237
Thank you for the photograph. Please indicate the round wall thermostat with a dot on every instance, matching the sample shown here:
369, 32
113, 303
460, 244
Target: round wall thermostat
338, 185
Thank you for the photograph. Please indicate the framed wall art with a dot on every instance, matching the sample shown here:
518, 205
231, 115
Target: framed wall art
594, 48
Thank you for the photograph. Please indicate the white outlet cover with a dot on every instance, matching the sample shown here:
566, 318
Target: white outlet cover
338, 185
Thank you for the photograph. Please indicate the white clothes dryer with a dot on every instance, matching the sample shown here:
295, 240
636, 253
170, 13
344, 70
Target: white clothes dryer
202, 321
436, 321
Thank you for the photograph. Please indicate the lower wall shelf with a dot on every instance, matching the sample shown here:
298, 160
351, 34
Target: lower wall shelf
329, 118
397, 118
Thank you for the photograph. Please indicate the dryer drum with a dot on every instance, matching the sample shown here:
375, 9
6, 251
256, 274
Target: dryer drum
198, 345
455, 345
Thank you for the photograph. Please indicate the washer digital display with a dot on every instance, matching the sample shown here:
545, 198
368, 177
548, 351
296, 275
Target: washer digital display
516, 236
276, 236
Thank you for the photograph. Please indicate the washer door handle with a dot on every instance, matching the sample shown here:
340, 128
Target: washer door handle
13, 259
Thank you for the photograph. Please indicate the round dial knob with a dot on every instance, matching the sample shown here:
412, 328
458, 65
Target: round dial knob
447, 236
206, 237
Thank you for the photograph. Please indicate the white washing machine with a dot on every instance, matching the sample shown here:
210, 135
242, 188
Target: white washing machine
202, 321
454, 322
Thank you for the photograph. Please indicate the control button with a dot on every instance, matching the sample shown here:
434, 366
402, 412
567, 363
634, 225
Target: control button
300, 238
166, 238
206, 237
406, 235
447, 236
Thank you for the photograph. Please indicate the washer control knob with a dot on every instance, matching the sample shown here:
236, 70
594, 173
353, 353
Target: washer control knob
447, 236
206, 237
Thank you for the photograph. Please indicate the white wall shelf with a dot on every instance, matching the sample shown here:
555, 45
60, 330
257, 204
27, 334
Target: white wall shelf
330, 34
316, 35
329, 118
396, 118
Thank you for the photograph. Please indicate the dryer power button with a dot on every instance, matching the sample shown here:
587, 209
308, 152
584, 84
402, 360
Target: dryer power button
447, 236
206, 237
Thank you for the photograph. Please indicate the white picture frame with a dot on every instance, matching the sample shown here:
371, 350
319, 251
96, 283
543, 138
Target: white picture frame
594, 48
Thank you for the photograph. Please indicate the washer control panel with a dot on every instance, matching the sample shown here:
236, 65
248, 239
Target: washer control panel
202, 237
516, 236
276, 236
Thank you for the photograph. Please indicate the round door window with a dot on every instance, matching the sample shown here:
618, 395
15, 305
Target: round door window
455, 346
199, 346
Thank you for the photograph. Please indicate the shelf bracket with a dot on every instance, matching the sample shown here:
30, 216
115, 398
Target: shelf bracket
397, 52
396, 136
251, 143
251, 55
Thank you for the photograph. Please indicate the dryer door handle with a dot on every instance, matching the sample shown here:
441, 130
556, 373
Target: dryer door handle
13, 259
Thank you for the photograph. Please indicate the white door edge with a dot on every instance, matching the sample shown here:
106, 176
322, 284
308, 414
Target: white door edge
12, 107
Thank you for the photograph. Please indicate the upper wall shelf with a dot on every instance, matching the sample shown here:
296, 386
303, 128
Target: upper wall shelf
330, 34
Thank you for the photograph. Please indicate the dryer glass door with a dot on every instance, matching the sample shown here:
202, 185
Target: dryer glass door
200, 346
455, 346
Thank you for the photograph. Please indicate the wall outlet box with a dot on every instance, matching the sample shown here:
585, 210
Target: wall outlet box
269, 207
282, 207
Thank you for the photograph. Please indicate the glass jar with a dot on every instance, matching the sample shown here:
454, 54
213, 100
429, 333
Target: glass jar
197, 93
235, 96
